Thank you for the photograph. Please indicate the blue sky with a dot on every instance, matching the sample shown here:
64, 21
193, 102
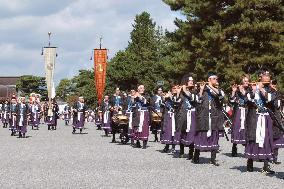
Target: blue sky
76, 26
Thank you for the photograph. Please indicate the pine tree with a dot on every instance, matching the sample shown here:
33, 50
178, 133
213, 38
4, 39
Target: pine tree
231, 37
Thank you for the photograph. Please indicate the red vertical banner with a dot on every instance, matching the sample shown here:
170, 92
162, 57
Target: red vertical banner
100, 63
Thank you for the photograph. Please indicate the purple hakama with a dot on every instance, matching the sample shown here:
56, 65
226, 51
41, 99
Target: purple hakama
238, 132
35, 119
106, 121
204, 143
252, 149
13, 123
142, 132
188, 137
168, 129
80, 121
5, 118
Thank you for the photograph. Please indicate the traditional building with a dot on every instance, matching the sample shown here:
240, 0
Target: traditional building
7, 87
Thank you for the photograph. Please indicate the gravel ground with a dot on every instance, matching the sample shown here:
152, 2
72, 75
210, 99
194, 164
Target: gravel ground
58, 159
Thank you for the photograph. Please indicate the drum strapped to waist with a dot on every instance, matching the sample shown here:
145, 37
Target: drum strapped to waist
157, 117
120, 118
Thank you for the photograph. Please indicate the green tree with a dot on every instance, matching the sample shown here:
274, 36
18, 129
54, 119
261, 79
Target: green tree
145, 61
64, 89
85, 86
28, 84
231, 37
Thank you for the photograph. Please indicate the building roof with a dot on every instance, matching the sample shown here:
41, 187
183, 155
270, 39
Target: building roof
7, 86
9, 80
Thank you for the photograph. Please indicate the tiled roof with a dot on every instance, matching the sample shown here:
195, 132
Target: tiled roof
8, 80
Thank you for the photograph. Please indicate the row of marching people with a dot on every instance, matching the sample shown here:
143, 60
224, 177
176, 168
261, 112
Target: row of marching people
192, 116
16, 114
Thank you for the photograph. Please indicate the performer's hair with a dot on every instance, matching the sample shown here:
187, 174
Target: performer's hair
184, 79
273, 81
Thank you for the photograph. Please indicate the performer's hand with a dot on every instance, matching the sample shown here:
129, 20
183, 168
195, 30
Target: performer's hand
184, 88
260, 85
234, 88
178, 89
202, 86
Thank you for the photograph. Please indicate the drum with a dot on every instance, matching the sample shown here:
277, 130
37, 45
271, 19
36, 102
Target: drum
156, 117
120, 119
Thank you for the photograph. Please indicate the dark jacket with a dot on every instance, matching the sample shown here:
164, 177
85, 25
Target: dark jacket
202, 111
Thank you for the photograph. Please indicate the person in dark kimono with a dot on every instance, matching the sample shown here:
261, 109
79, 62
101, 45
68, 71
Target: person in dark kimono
5, 113
156, 115
116, 103
106, 115
276, 106
141, 117
67, 114
23, 113
238, 100
209, 119
35, 110
13, 117
259, 131
169, 123
80, 109
185, 116
53, 116
45, 112
130, 103
98, 121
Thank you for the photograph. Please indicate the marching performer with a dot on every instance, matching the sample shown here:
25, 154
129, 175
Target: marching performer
186, 118
13, 116
79, 115
238, 100
259, 131
141, 117
52, 116
156, 116
276, 106
98, 121
129, 112
23, 113
209, 119
116, 104
5, 113
67, 114
169, 123
106, 116
35, 110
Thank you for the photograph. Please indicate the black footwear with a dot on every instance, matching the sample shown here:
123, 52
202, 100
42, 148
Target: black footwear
144, 144
182, 156
266, 169
81, 130
214, 162
234, 150
190, 153
276, 162
250, 165
138, 145
196, 157
165, 150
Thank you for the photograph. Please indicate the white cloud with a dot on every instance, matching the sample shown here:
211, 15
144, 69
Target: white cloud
76, 27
